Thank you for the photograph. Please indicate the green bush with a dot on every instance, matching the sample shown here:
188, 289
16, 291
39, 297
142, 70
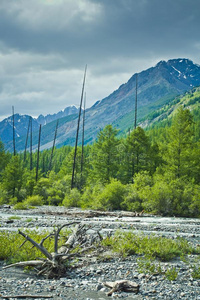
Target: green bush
112, 195
90, 195
132, 201
196, 272
34, 200
20, 205
171, 274
158, 198
72, 199
162, 248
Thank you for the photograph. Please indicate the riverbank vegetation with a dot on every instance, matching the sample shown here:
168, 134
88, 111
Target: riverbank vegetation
157, 171
151, 251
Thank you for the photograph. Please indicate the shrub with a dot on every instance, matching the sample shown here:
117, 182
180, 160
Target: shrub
34, 200
72, 199
20, 205
90, 195
196, 272
132, 201
171, 274
162, 248
158, 198
112, 196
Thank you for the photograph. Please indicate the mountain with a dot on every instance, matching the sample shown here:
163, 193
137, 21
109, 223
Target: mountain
163, 116
70, 110
157, 86
21, 123
21, 126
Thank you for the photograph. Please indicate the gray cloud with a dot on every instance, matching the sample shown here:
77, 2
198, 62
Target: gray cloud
45, 44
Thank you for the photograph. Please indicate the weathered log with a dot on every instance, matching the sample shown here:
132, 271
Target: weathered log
30, 263
96, 213
122, 285
38, 246
54, 265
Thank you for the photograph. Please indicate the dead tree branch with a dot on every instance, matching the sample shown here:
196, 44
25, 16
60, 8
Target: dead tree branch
54, 264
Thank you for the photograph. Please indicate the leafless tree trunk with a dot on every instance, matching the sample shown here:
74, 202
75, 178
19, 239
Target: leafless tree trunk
77, 131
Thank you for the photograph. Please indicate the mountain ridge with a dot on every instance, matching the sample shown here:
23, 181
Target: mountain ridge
157, 86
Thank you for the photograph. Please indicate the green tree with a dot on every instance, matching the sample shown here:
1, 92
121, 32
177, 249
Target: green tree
67, 166
137, 151
181, 142
4, 158
105, 155
29, 181
12, 177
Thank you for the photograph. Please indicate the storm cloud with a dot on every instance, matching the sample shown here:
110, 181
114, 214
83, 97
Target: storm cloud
45, 44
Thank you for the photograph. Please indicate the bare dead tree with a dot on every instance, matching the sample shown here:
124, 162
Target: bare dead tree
31, 141
27, 139
136, 87
54, 142
38, 153
77, 131
54, 265
13, 119
83, 133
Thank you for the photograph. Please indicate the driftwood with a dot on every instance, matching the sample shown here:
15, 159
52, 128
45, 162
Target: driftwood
122, 285
54, 265
96, 213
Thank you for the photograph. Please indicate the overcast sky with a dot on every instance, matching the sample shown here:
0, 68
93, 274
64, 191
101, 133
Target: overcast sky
45, 45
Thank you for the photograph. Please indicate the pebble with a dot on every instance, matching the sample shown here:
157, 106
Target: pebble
87, 282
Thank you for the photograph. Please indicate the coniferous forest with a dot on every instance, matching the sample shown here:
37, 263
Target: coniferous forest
155, 170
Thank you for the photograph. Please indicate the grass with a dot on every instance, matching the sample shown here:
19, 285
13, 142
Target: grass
161, 248
196, 272
10, 245
152, 250
14, 218
29, 220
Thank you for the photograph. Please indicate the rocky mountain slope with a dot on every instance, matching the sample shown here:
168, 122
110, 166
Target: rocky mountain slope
21, 123
157, 86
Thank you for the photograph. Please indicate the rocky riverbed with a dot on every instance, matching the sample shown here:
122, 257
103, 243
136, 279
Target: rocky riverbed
87, 280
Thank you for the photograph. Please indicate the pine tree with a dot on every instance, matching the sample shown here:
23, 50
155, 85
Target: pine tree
4, 157
12, 177
105, 155
137, 153
181, 144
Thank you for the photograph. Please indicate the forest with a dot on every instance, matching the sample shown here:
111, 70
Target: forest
156, 171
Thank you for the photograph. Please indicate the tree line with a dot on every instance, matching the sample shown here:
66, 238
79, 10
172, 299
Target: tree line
157, 171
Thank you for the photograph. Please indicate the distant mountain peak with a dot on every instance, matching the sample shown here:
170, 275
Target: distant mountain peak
157, 86
69, 110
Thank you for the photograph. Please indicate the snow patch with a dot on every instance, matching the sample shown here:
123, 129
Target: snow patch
176, 70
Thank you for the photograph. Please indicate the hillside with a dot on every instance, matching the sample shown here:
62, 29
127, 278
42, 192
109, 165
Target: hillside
157, 87
190, 99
